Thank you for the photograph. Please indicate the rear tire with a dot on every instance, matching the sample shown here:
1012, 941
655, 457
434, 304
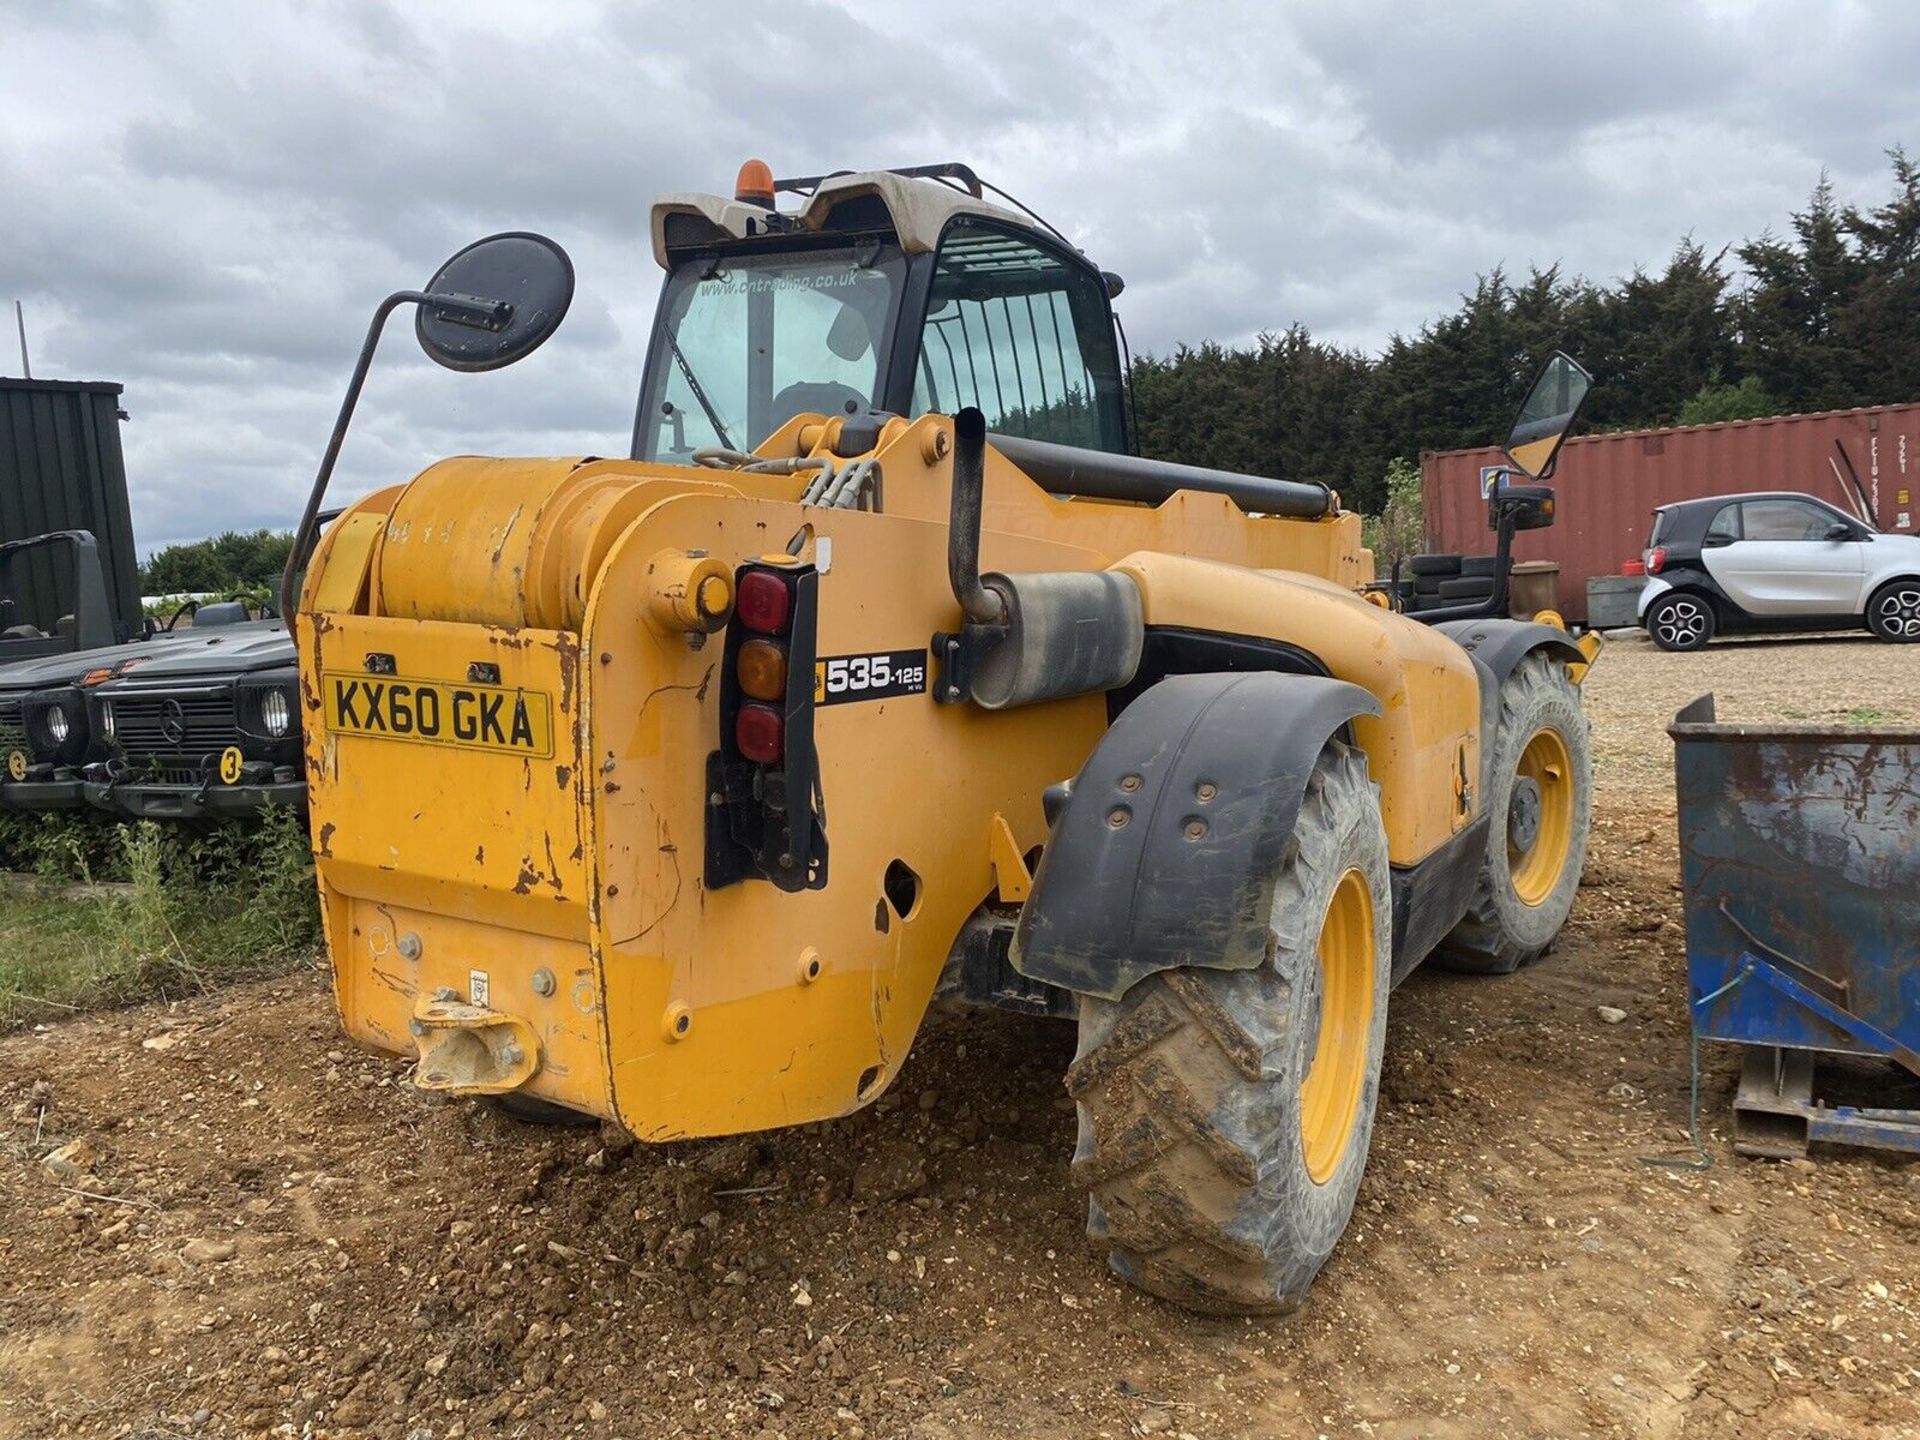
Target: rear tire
1540, 806
1894, 612
1221, 1159
1681, 622
532, 1110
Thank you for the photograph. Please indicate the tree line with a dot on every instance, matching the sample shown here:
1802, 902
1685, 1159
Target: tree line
1823, 317
229, 562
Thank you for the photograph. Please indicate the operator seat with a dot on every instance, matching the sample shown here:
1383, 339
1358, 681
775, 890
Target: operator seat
816, 397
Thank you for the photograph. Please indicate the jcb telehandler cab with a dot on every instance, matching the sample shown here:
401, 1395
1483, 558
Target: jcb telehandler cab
668, 789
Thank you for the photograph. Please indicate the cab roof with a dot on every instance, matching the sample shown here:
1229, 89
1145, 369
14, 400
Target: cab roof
914, 206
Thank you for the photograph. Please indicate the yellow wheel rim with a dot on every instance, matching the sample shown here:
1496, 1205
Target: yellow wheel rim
1540, 817
1330, 1094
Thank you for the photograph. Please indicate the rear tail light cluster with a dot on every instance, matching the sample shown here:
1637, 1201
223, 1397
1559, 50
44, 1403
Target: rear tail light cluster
761, 665
763, 783
1656, 559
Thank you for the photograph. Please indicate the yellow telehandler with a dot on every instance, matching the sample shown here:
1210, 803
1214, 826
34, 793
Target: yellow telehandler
669, 789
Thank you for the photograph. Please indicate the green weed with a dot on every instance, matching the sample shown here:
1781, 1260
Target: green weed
107, 914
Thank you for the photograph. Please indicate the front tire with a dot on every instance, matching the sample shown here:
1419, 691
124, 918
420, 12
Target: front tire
1894, 612
1225, 1114
1681, 622
1539, 811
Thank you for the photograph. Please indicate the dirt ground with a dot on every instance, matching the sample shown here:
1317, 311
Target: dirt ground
278, 1236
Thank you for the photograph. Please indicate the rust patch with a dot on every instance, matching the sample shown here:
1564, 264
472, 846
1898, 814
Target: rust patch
529, 877
479, 854
563, 775
505, 531
324, 844
567, 653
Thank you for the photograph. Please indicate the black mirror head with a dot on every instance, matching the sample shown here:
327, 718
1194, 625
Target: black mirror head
512, 290
1547, 415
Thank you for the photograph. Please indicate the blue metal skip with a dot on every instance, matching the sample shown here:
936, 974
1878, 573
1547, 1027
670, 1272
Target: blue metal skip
1800, 860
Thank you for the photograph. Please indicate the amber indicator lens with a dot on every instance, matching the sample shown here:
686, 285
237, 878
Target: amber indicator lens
765, 602
760, 732
762, 670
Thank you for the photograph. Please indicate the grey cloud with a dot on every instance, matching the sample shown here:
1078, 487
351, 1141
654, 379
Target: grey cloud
206, 202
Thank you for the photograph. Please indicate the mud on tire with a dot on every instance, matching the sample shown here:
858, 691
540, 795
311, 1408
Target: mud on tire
1503, 928
1189, 1087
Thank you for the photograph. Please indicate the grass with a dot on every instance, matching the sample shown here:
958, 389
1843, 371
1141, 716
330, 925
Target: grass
95, 913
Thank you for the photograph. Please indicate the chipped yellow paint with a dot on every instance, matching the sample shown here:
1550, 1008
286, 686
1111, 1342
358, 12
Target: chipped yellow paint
1429, 695
683, 1011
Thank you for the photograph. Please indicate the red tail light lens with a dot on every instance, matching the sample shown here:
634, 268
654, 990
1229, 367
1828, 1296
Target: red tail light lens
1656, 559
761, 733
765, 602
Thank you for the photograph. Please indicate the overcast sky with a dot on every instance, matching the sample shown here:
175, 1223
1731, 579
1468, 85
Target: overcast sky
205, 201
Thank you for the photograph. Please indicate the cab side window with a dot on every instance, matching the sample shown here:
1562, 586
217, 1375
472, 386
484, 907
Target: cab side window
1726, 525
1023, 334
1784, 520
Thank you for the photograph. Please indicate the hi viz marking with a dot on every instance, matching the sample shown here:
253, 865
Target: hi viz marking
473, 717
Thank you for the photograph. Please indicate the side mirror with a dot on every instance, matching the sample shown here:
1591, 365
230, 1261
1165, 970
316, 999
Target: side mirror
1840, 530
495, 302
1547, 415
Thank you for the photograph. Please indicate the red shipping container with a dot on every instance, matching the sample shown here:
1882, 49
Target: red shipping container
1608, 485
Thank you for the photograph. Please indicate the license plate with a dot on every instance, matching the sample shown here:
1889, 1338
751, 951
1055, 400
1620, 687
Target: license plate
438, 712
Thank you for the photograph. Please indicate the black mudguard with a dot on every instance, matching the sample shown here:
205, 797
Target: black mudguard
1500, 644
1142, 874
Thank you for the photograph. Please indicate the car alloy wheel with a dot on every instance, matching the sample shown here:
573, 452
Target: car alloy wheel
1682, 623
1896, 612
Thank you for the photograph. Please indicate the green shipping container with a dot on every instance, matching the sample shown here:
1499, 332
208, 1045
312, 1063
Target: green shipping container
61, 469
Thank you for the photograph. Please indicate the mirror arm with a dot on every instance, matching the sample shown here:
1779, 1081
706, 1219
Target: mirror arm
303, 538
1502, 561
461, 308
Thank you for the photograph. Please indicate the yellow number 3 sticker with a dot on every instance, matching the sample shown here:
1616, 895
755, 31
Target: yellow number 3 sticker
17, 765
230, 760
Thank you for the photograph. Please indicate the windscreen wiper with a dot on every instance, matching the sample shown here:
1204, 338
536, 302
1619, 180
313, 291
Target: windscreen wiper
713, 415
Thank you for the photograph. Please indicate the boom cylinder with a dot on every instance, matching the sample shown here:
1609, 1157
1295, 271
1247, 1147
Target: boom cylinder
1069, 470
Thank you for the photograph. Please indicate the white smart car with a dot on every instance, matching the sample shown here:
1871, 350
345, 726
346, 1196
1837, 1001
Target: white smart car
1774, 561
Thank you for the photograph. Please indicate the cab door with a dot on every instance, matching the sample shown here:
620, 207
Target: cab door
1024, 332
1787, 558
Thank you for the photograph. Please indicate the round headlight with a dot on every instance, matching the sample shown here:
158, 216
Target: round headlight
58, 726
275, 713
105, 712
